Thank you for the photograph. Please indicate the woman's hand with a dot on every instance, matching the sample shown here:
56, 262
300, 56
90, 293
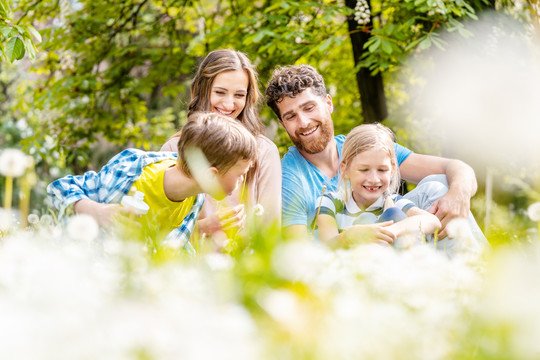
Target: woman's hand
229, 220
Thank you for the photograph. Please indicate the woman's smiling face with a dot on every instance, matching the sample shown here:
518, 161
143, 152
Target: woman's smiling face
229, 92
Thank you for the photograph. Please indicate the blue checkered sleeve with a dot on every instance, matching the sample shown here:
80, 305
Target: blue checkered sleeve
180, 236
112, 182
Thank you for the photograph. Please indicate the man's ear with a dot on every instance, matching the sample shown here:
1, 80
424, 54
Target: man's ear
329, 103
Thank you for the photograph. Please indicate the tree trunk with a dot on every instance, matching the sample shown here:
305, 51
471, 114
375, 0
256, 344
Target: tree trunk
371, 87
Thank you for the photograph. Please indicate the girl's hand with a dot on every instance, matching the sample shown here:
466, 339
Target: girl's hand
379, 233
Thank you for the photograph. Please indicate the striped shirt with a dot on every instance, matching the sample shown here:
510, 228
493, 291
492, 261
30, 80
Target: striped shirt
114, 181
346, 211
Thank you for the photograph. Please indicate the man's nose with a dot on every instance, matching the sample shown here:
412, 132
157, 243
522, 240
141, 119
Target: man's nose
303, 120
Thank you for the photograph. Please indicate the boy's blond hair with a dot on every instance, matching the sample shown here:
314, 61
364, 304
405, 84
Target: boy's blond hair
368, 137
222, 140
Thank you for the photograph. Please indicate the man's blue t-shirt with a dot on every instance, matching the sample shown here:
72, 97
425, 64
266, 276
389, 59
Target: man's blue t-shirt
303, 182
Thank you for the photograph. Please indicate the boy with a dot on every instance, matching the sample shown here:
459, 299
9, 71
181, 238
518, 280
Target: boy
167, 180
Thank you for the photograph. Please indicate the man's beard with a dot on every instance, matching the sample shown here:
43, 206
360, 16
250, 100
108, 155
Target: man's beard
318, 144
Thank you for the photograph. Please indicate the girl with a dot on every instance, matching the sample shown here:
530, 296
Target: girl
368, 207
226, 83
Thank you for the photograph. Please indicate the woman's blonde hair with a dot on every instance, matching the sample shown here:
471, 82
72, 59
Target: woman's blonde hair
368, 137
222, 140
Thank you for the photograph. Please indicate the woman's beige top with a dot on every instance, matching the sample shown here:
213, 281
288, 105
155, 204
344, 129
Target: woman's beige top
265, 186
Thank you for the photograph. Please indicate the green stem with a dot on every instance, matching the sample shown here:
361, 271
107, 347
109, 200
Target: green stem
9, 193
24, 202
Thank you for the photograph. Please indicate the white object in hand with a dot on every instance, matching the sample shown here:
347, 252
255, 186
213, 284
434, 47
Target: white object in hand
136, 203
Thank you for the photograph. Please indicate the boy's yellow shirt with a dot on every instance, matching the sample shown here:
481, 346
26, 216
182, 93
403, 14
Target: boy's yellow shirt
164, 214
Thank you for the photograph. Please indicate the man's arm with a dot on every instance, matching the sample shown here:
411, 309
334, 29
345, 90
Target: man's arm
461, 181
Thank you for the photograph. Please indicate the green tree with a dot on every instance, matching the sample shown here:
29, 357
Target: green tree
15, 40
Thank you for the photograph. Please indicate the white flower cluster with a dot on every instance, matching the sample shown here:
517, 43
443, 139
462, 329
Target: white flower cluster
380, 302
362, 13
70, 301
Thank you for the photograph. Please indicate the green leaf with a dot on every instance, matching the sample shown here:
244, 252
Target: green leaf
4, 9
426, 43
375, 45
387, 46
7, 31
30, 48
14, 49
34, 33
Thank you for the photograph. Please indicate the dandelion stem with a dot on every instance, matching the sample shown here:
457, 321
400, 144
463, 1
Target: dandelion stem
9, 193
24, 201
318, 210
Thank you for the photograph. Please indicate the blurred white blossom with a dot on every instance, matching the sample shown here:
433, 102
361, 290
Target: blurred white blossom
82, 227
13, 162
533, 211
259, 210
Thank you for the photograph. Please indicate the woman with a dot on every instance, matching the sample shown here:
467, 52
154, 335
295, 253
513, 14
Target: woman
226, 83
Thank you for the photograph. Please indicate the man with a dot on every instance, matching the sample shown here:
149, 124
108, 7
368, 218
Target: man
298, 97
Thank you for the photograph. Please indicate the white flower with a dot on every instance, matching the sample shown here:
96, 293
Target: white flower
82, 227
46, 219
13, 163
534, 211
33, 219
259, 210
459, 228
362, 13
219, 261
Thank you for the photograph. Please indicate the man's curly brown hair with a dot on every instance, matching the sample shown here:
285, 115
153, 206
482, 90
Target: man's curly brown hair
290, 81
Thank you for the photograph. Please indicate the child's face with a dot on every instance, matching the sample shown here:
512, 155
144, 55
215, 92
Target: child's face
229, 92
369, 174
234, 176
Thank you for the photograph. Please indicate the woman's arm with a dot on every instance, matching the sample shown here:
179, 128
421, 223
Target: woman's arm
268, 180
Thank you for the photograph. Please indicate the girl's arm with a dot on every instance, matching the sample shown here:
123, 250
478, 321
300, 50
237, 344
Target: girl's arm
418, 220
328, 231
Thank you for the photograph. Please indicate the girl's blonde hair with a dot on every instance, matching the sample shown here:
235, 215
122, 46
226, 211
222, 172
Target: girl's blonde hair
368, 137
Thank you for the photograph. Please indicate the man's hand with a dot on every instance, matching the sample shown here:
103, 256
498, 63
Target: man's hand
452, 205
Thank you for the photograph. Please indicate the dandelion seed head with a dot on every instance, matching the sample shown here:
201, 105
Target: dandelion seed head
83, 228
33, 219
259, 210
533, 211
13, 163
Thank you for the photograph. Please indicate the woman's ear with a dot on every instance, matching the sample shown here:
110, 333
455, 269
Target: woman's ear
342, 170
